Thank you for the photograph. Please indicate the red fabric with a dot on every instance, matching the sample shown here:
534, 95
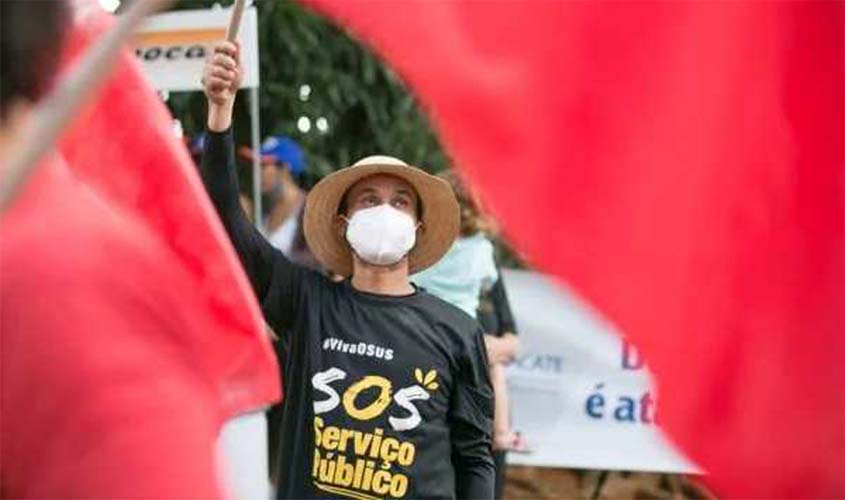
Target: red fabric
136, 162
103, 395
681, 165
128, 330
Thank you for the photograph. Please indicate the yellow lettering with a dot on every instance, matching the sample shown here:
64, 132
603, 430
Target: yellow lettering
375, 408
344, 473
406, 454
368, 474
389, 450
376, 446
362, 442
359, 471
331, 467
381, 482
330, 437
398, 486
316, 463
318, 424
326, 470
345, 434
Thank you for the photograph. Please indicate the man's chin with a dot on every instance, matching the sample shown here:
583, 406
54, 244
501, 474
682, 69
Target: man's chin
361, 264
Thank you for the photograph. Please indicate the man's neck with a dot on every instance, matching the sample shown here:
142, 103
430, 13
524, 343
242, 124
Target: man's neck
382, 280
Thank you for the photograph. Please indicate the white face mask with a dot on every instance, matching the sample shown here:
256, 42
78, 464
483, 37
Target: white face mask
381, 235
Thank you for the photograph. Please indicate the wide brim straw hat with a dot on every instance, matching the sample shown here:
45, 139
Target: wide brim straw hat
440, 215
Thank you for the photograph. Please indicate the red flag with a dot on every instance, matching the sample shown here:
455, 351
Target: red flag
123, 146
128, 330
681, 165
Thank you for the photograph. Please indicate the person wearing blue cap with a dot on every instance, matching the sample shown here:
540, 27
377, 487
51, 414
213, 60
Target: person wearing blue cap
282, 199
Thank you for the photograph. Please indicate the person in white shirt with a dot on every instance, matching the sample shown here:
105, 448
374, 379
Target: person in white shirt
282, 198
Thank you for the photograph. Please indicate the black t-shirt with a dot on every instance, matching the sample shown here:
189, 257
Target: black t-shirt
385, 397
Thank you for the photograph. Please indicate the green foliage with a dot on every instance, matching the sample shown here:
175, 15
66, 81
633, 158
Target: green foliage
368, 109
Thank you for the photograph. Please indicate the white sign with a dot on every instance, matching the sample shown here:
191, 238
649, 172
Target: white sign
580, 395
242, 457
172, 46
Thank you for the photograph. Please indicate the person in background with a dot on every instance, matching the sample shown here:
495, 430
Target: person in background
467, 271
469, 267
496, 318
101, 396
282, 198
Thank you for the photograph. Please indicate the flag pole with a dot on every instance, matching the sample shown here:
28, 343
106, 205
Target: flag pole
57, 109
235, 20
231, 36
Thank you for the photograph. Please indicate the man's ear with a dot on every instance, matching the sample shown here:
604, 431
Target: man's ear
340, 225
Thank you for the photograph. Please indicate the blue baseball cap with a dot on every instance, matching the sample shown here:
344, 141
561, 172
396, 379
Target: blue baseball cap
280, 149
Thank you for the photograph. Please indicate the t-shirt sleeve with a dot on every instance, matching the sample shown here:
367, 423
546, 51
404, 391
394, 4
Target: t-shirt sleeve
275, 279
96, 404
471, 422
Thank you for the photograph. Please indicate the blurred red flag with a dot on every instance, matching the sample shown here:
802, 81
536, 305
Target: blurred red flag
129, 331
681, 165
123, 145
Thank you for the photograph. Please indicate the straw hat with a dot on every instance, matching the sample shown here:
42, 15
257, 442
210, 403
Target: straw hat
440, 215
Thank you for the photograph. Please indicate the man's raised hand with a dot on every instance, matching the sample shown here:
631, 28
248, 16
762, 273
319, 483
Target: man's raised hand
221, 78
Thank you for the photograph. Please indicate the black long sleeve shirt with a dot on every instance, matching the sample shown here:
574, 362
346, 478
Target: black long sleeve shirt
386, 397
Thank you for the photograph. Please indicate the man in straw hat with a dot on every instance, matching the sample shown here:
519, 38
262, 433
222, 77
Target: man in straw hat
387, 392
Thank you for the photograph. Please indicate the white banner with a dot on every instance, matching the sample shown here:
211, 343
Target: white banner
172, 46
242, 462
580, 395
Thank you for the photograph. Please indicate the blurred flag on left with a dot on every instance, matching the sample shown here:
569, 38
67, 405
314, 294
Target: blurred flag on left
128, 330
123, 146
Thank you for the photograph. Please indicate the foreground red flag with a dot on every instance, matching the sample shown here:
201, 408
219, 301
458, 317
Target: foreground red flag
124, 146
102, 395
129, 333
681, 165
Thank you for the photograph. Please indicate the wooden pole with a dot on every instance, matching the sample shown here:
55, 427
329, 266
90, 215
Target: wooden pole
235, 20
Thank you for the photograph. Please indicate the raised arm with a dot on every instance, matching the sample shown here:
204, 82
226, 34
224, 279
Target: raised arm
274, 278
